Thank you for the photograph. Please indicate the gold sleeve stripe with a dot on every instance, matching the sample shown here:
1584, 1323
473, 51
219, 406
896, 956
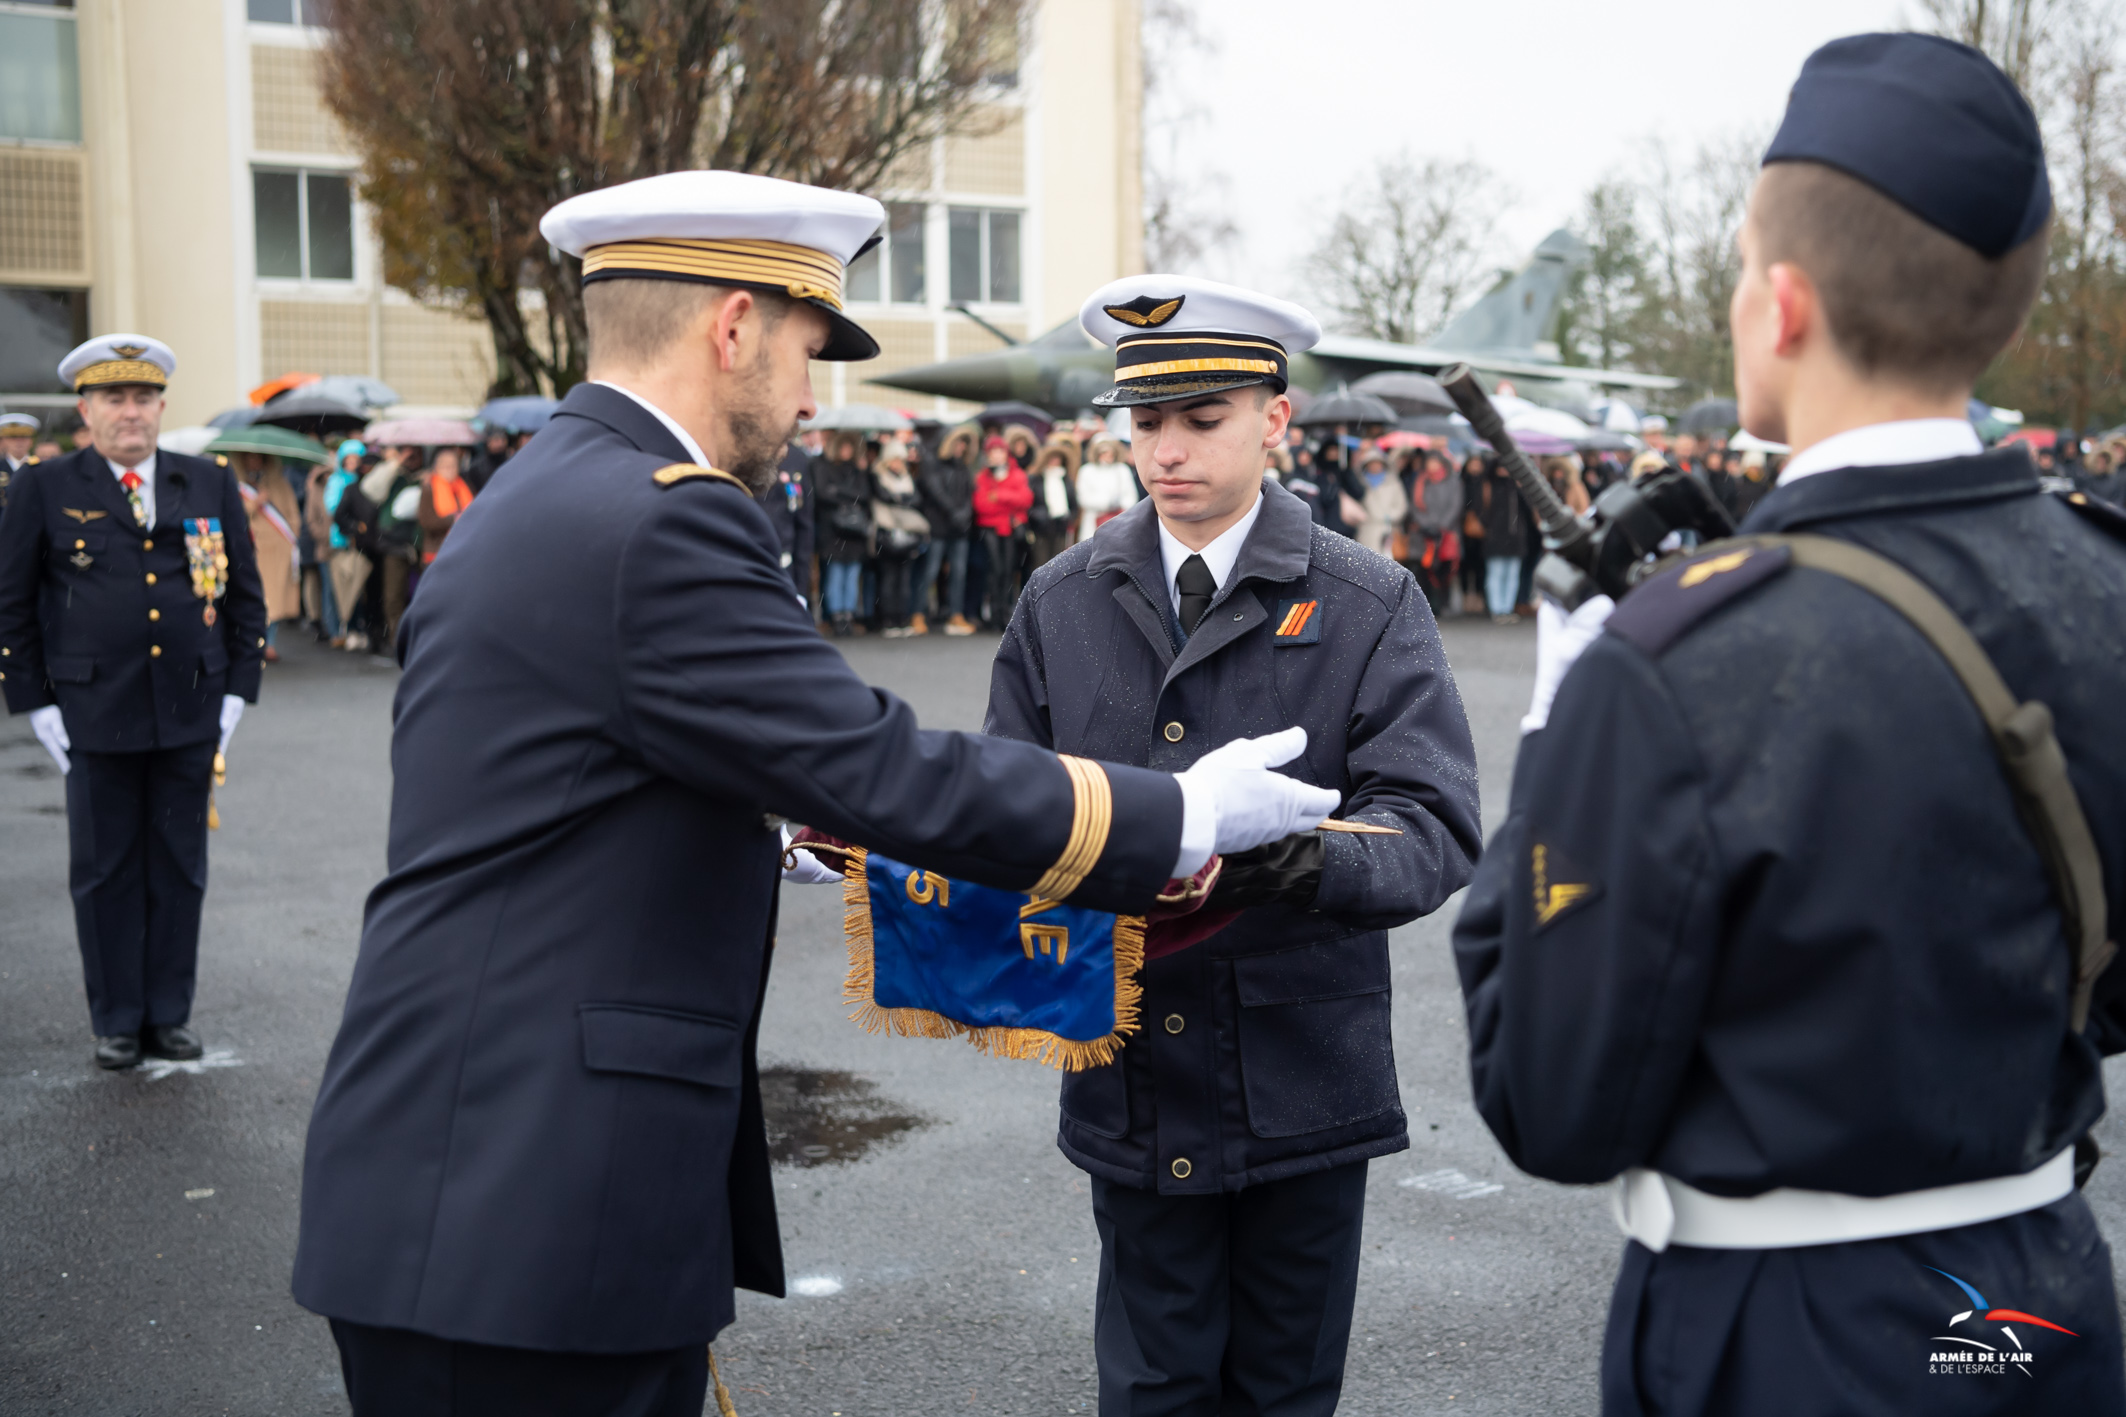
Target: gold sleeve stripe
122, 371
804, 272
1091, 818
1194, 366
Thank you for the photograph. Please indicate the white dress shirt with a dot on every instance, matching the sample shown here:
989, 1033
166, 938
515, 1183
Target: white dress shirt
686, 439
146, 469
1219, 556
1909, 440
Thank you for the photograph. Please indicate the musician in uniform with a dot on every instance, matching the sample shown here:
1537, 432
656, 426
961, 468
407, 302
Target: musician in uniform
1771, 929
1228, 1144
132, 628
537, 1165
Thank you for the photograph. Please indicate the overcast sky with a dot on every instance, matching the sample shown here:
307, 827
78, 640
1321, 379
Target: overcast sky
1300, 97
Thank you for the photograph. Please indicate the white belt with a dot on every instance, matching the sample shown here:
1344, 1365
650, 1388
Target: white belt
1659, 1211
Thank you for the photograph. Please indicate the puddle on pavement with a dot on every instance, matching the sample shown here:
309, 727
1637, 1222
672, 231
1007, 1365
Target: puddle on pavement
817, 1116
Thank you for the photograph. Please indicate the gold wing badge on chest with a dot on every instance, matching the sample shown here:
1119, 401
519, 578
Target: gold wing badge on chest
1554, 897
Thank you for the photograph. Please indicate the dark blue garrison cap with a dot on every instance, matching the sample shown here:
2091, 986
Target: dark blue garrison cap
1932, 124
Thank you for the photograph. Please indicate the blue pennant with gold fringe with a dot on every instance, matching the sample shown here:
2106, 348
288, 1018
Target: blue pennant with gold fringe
1016, 975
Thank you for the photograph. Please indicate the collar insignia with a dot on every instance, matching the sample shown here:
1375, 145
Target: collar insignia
681, 471
1704, 571
129, 351
1146, 311
1298, 623
83, 517
1552, 897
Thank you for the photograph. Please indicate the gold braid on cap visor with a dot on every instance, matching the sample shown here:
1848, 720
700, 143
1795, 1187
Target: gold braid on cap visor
805, 273
1195, 353
121, 371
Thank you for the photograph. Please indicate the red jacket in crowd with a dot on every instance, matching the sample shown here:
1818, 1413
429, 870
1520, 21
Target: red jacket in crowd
1001, 503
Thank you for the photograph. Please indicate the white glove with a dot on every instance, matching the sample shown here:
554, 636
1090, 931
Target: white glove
1560, 640
50, 727
232, 709
1231, 801
808, 870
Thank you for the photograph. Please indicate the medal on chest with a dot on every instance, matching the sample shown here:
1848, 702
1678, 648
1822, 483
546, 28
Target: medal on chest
207, 558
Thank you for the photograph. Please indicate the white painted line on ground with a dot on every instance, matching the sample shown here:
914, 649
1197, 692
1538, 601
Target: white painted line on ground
156, 1069
1450, 1182
815, 1286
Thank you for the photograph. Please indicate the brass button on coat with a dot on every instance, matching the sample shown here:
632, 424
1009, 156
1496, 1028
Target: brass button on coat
147, 546
154, 614
1182, 1168
1175, 1023
151, 578
79, 545
155, 651
1174, 732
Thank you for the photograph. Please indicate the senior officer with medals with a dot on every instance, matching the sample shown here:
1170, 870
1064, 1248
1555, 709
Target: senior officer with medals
132, 629
1228, 1143
537, 1166
1795, 914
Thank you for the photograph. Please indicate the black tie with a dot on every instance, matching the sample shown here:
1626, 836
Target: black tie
1196, 586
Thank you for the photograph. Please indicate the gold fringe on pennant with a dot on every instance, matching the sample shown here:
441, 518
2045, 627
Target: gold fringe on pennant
1030, 1044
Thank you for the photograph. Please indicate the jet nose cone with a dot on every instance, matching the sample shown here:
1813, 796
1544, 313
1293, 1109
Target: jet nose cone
981, 378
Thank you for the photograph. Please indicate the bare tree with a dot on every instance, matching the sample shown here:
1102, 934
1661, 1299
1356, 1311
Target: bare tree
474, 117
1412, 244
2010, 32
1601, 317
1184, 219
1692, 209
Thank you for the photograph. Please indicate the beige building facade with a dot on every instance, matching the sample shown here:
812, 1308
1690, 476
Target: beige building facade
168, 167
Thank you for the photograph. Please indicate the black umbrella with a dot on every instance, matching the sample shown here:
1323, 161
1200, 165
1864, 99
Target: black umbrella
1346, 406
314, 414
997, 415
1406, 391
1709, 416
242, 417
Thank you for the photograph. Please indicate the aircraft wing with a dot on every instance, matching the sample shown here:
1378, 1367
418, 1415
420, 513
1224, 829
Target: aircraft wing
1362, 356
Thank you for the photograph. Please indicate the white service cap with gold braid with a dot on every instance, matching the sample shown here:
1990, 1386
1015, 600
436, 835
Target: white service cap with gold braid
1179, 337
118, 359
726, 228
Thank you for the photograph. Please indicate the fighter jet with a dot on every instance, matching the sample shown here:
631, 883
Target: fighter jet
1501, 335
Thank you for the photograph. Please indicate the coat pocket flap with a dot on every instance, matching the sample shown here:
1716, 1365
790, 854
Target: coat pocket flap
70, 669
214, 659
1333, 969
626, 1038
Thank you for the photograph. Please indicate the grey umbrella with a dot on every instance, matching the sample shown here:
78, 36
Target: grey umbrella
861, 418
357, 389
1709, 416
1406, 391
1346, 406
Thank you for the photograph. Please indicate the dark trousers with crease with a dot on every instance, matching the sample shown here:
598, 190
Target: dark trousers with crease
391, 1372
137, 829
1232, 1304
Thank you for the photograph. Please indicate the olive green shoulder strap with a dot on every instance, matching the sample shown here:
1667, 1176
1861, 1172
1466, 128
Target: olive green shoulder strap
2022, 734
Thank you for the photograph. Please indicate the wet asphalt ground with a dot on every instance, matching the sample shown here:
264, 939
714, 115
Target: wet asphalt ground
942, 1251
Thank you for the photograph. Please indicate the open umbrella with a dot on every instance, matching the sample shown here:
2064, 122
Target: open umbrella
234, 417
861, 418
357, 389
274, 388
523, 413
1606, 440
1406, 391
1007, 411
1709, 416
1346, 406
188, 441
272, 441
420, 433
315, 413
1402, 438
1532, 420
1746, 441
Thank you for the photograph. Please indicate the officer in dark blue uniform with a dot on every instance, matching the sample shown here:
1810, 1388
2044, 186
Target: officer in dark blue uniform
16, 432
1767, 929
132, 628
788, 502
537, 1165
1228, 1143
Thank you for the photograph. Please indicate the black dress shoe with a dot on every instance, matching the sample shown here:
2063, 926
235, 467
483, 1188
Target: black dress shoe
170, 1040
121, 1051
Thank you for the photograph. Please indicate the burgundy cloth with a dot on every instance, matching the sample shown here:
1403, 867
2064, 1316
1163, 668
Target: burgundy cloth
1179, 919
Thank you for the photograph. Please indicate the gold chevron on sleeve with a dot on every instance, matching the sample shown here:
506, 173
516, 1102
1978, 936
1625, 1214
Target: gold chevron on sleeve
1091, 818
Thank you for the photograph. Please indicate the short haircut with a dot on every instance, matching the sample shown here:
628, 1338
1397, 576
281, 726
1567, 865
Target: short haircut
632, 322
1903, 300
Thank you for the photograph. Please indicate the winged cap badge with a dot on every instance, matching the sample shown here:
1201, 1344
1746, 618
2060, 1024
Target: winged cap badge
129, 351
1146, 310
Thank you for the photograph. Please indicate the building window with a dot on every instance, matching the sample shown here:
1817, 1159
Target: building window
37, 329
896, 264
305, 223
984, 255
40, 77
291, 12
